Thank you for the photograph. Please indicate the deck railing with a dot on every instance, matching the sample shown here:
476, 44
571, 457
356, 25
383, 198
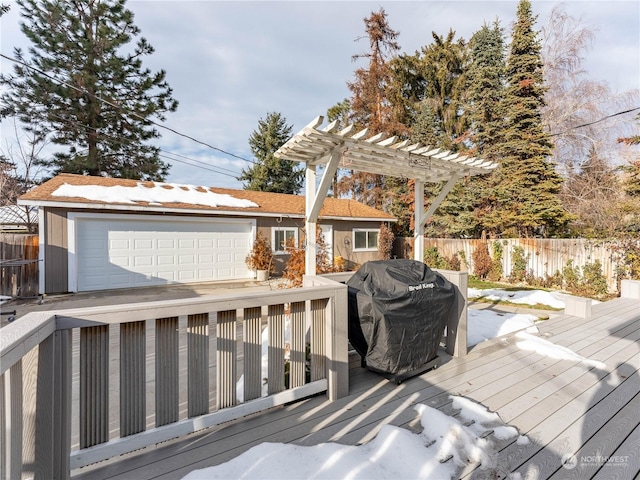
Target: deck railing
84, 385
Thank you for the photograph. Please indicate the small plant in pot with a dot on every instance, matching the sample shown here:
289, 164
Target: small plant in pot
260, 258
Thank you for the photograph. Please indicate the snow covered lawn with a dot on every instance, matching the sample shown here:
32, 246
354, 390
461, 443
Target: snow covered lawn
487, 324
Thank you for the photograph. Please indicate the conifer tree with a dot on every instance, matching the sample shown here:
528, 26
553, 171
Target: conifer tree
83, 84
271, 174
526, 198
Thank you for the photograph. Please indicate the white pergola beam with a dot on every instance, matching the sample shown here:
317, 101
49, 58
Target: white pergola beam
438, 200
376, 154
325, 182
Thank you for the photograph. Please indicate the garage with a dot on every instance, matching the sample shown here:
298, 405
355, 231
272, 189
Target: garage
114, 251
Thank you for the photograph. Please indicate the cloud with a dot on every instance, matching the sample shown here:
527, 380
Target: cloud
231, 63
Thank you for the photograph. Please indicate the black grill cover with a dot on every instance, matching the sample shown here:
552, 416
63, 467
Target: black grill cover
398, 310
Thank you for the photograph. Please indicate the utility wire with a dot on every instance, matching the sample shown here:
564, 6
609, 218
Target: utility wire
118, 107
122, 141
596, 121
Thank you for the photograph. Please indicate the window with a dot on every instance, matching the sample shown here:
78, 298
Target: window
283, 237
365, 239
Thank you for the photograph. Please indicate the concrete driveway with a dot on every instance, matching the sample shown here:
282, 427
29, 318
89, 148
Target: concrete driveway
22, 306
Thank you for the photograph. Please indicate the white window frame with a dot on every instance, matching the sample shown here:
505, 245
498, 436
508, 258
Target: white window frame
282, 229
367, 248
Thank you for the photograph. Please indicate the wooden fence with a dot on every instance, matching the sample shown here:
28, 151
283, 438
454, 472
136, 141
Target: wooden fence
18, 265
545, 256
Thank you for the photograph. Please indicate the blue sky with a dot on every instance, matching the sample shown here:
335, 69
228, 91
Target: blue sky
231, 62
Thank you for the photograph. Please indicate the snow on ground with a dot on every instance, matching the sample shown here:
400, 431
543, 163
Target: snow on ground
487, 324
158, 194
524, 297
526, 341
443, 446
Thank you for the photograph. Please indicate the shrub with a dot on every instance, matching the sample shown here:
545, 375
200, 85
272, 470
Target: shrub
594, 282
495, 274
453, 263
296, 265
432, 257
518, 265
481, 261
571, 276
261, 256
385, 242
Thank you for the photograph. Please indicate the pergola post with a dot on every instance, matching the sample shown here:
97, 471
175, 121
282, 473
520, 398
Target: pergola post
313, 203
310, 226
418, 229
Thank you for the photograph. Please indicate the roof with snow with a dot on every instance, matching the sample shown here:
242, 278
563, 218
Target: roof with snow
79, 191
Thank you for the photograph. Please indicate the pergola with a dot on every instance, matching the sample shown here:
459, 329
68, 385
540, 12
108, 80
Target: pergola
375, 154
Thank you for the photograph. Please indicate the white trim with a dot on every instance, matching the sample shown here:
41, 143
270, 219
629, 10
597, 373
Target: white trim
367, 249
72, 217
283, 229
41, 243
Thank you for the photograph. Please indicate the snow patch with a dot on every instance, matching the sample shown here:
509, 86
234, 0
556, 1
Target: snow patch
549, 349
524, 297
159, 194
443, 446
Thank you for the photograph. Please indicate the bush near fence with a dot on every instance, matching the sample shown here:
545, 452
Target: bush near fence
539, 259
18, 280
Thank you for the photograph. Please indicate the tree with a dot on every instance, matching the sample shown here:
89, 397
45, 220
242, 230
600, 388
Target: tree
84, 85
271, 174
370, 105
443, 64
19, 165
526, 198
574, 101
592, 195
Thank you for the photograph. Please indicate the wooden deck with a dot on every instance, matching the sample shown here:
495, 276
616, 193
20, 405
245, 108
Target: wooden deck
564, 407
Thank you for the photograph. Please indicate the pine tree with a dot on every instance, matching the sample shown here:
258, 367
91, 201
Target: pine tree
271, 174
84, 84
526, 198
464, 210
443, 65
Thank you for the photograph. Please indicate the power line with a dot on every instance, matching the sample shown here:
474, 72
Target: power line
596, 121
122, 141
118, 107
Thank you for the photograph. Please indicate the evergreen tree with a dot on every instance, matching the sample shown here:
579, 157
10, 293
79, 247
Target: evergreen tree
443, 64
526, 198
84, 85
463, 211
271, 174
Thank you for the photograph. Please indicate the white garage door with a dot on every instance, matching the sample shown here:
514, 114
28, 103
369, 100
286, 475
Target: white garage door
123, 253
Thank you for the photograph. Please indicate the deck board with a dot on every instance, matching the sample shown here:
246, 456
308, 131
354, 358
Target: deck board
562, 406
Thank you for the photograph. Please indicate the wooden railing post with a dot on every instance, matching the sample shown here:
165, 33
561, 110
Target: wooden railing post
62, 379
338, 345
630, 289
457, 322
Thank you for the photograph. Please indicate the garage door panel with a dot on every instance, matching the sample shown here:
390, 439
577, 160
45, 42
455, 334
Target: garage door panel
116, 253
166, 243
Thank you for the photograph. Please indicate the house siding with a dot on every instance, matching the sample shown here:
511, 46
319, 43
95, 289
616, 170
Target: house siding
56, 271
56, 231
